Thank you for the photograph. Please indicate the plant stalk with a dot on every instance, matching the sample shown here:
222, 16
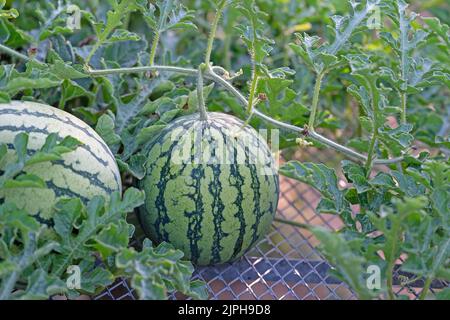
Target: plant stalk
16, 54
389, 282
154, 46
315, 102
253, 87
92, 52
213, 31
200, 97
403, 102
370, 153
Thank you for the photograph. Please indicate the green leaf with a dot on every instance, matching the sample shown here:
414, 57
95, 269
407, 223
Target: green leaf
25, 181
356, 175
51, 150
105, 128
9, 14
153, 271
167, 15
346, 259
111, 238
93, 278
282, 102
441, 29
147, 134
346, 26
74, 245
123, 35
65, 71
13, 36
40, 286
22, 83
126, 112
135, 165
71, 90
115, 54
324, 180
258, 45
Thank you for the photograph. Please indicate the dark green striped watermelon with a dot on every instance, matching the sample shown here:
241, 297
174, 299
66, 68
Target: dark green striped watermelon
88, 171
211, 188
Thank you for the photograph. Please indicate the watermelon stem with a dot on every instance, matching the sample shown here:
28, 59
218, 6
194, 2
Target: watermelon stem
212, 34
18, 55
200, 97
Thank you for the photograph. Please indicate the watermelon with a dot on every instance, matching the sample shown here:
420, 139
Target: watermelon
88, 171
211, 188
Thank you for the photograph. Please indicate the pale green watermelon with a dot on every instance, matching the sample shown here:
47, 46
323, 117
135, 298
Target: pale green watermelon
88, 171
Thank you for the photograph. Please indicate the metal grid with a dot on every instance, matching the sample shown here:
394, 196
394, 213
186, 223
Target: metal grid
284, 265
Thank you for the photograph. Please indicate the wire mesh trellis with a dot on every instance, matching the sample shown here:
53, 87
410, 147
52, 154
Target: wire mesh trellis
286, 263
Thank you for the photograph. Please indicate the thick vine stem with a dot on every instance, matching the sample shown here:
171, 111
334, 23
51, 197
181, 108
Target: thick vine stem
369, 160
210, 74
315, 102
200, 97
253, 87
213, 31
403, 102
16, 54
103, 72
154, 46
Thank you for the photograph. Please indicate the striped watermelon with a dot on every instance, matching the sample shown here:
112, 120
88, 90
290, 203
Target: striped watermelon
211, 188
88, 171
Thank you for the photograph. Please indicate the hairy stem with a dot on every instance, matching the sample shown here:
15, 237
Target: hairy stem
403, 102
9, 282
253, 87
439, 259
154, 46
185, 71
16, 54
375, 100
354, 22
370, 152
93, 50
213, 31
425, 288
389, 282
315, 102
200, 97
390, 260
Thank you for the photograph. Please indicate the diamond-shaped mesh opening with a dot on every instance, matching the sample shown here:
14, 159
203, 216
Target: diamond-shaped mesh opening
285, 265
